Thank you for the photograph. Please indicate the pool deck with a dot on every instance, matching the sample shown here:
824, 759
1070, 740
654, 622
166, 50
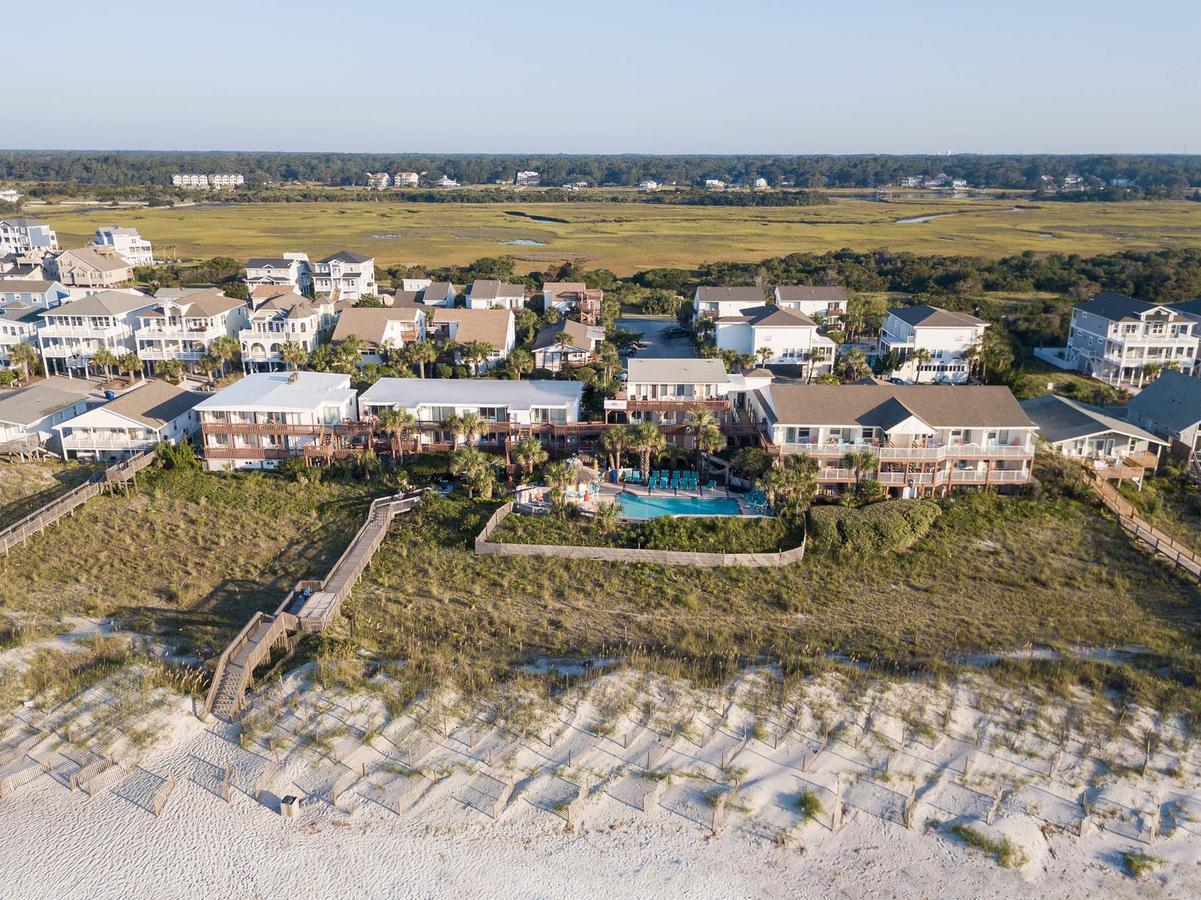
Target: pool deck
608, 494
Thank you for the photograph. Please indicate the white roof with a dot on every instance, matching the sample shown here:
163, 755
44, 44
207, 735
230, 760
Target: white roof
413, 392
281, 391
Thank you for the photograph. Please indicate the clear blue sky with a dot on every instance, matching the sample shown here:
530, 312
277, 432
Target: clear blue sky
859, 76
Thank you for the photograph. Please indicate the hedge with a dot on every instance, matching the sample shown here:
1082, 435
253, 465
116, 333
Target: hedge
880, 527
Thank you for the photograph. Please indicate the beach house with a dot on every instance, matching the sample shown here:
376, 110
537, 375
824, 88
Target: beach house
135, 421
126, 243
824, 303
380, 330
565, 344
718, 301
37, 292
464, 327
488, 293
71, 334
18, 325
1112, 446
776, 336
664, 391
28, 415
290, 270
90, 267
345, 276
283, 318
1170, 408
930, 344
22, 234
1121, 340
183, 327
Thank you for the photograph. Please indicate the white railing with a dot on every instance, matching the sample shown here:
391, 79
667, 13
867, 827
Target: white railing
85, 442
84, 331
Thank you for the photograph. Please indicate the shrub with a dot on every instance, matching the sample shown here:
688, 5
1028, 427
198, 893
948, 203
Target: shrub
1139, 863
809, 804
1007, 854
881, 527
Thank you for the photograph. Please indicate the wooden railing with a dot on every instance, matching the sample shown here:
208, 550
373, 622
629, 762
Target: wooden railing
1164, 545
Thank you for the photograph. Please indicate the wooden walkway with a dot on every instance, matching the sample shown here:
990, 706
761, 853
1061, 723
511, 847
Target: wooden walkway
234, 671
120, 474
1161, 544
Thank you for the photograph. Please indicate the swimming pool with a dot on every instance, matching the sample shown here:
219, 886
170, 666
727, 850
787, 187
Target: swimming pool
641, 506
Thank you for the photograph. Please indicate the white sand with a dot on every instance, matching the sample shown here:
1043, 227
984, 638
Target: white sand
395, 836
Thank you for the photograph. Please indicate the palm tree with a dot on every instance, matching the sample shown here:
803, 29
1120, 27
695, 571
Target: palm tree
24, 355
348, 354
558, 476
107, 360
1150, 372
421, 353
476, 467
224, 349
614, 441
919, 358
854, 364
294, 355
971, 356
562, 342
521, 362
129, 364
467, 426
859, 461
699, 421
397, 423
209, 364
529, 452
791, 487
171, 370
475, 353
647, 439
610, 358
763, 354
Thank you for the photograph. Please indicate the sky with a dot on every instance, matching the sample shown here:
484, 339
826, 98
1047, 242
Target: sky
757, 76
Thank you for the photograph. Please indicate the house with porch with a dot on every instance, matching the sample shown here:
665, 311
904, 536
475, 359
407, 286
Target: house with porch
717, 301
933, 345
345, 276
90, 267
28, 415
71, 334
494, 327
38, 292
134, 422
574, 297
1124, 341
664, 391
380, 330
126, 243
22, 234
291, 270
281, 319
18, 325
182, 326
922, 440
271, 416
488, 293
776, 336
826, 303
566, 344
1110, 445
509, 409
1170, 408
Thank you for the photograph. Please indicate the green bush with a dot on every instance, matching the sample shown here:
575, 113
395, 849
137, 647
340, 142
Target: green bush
881, 527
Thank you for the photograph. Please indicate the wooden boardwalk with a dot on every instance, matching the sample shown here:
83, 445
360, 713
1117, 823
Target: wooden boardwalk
234, 671
118, 475
1162, 544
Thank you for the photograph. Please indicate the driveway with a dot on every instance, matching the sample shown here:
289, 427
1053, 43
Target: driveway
658, 346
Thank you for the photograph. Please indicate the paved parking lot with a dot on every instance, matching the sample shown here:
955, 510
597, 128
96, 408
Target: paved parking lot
659, 346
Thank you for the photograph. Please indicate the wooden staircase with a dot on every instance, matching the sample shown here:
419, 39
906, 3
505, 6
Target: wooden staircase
235, 667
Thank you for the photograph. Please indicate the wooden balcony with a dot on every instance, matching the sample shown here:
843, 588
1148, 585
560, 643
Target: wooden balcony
248, 453
273, 429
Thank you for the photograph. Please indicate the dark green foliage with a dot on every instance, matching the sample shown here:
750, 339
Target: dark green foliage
177, 456
881, 527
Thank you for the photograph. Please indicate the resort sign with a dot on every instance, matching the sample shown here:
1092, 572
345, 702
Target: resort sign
621, 405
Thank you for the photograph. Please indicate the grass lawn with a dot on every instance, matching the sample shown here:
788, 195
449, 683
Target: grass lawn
993, 574
632, 236
186, 553
26, 486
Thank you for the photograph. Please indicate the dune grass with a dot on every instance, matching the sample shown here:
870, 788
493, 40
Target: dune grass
26, 486
632, 236
188, 555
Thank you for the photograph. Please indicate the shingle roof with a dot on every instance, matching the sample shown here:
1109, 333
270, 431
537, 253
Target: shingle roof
437, 290
22, 221
370, 323
269, 262
21, 286
105, 303
26, 315
751, 295
203, 302
1173, 400
348, 257
934, 317
488, 325
1115, 307
34, 403
940, 406
155, 403
771, 316
580, 334
792, 293
676, 371
1061, 419
491, 289
103, 261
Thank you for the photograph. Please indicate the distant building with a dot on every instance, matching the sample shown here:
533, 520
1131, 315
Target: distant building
9, 196
648, 184
21, 234
292, 269
406, 179
527, 179
1122, 182
128, 244
778, 337
91, 267
714, 184
190, 182
378, 181
912, 181
221, 182
759, 184
446, 182
203, 182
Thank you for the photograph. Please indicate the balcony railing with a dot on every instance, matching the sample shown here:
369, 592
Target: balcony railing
85, 331
674, 404
249, 453
930, 453
108, 442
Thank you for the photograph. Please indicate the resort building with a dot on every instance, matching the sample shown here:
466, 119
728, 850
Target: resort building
487, 293
566, 344
922, 439
345, 276
437, 293
18, 325
664, 391
202, 182
183, 325
1170, 408
37, 292
380, 330
776, 337
1121, 340
132, 423
1113, 447
716, 302
290, 270
270, 416
21, 234
71, 334
90, 267
406, 180
378, 181
933, 345
494, 327
285, 317
126, 243
508, 408
28, 416
822, 302
573, 296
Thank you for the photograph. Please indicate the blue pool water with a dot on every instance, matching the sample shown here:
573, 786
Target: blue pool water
642, 506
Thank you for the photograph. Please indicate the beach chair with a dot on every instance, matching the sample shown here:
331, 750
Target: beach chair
711, 485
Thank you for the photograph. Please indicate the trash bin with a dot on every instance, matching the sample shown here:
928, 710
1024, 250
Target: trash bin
110, 395
289, 806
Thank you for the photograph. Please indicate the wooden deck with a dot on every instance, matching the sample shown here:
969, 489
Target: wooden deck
234, 671
1161, 544
118, 475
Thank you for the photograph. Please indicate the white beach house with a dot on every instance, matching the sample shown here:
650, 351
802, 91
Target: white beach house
132, 423
776, 337
933, 344
71, 334
185, 327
